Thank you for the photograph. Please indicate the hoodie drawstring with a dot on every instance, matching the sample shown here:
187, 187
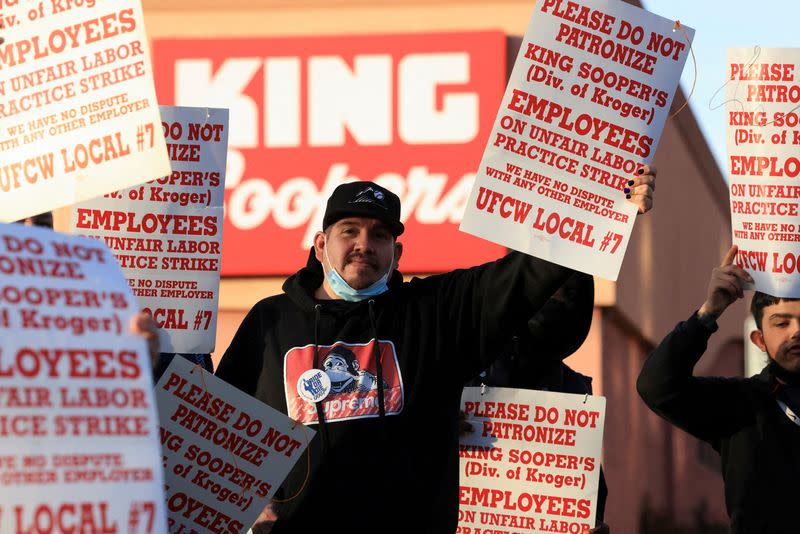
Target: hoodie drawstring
377, 352
323, 429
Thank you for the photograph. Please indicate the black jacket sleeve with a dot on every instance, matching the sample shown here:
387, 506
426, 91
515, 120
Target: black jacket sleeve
241, 364
709, 408
481, 307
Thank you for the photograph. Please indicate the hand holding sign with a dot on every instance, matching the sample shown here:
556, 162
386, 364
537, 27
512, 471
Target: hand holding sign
641, 188
144, 325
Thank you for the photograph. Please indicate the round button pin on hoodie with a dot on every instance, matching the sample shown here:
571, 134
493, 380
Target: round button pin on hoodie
314, 385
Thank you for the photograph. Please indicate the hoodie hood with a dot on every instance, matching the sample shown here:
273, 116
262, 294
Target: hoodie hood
300, 287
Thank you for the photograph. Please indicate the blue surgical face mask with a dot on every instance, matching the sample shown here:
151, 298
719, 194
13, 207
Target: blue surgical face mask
343, 289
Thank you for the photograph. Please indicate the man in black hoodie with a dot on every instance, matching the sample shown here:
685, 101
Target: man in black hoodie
751, 422
381, 450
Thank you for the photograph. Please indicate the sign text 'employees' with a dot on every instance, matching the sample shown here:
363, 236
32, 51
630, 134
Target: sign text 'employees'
33, 362
524, 502
584, 124
148, 223
68, 37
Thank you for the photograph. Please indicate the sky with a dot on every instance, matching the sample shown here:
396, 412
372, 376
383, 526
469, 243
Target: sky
719, 25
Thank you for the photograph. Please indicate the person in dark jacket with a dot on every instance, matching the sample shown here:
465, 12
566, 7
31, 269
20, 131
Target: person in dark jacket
534, 358
751, 422
422, 340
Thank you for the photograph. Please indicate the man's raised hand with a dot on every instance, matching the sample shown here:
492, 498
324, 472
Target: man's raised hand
725, 287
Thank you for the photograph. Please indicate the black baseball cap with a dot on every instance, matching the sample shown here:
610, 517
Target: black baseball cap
364, 199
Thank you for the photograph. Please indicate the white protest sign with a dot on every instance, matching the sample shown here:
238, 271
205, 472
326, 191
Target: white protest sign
763, 113
532, 462
167, 234
78, 111
583, 110
225, 453
79, 449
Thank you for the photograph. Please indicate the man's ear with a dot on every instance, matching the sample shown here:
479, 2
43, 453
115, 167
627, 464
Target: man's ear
319, 245
398, 251
757, 337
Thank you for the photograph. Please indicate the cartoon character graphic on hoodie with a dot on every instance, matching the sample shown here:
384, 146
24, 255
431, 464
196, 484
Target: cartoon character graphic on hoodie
342, 367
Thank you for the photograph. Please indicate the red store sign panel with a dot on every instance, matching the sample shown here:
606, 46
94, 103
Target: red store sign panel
411, 112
